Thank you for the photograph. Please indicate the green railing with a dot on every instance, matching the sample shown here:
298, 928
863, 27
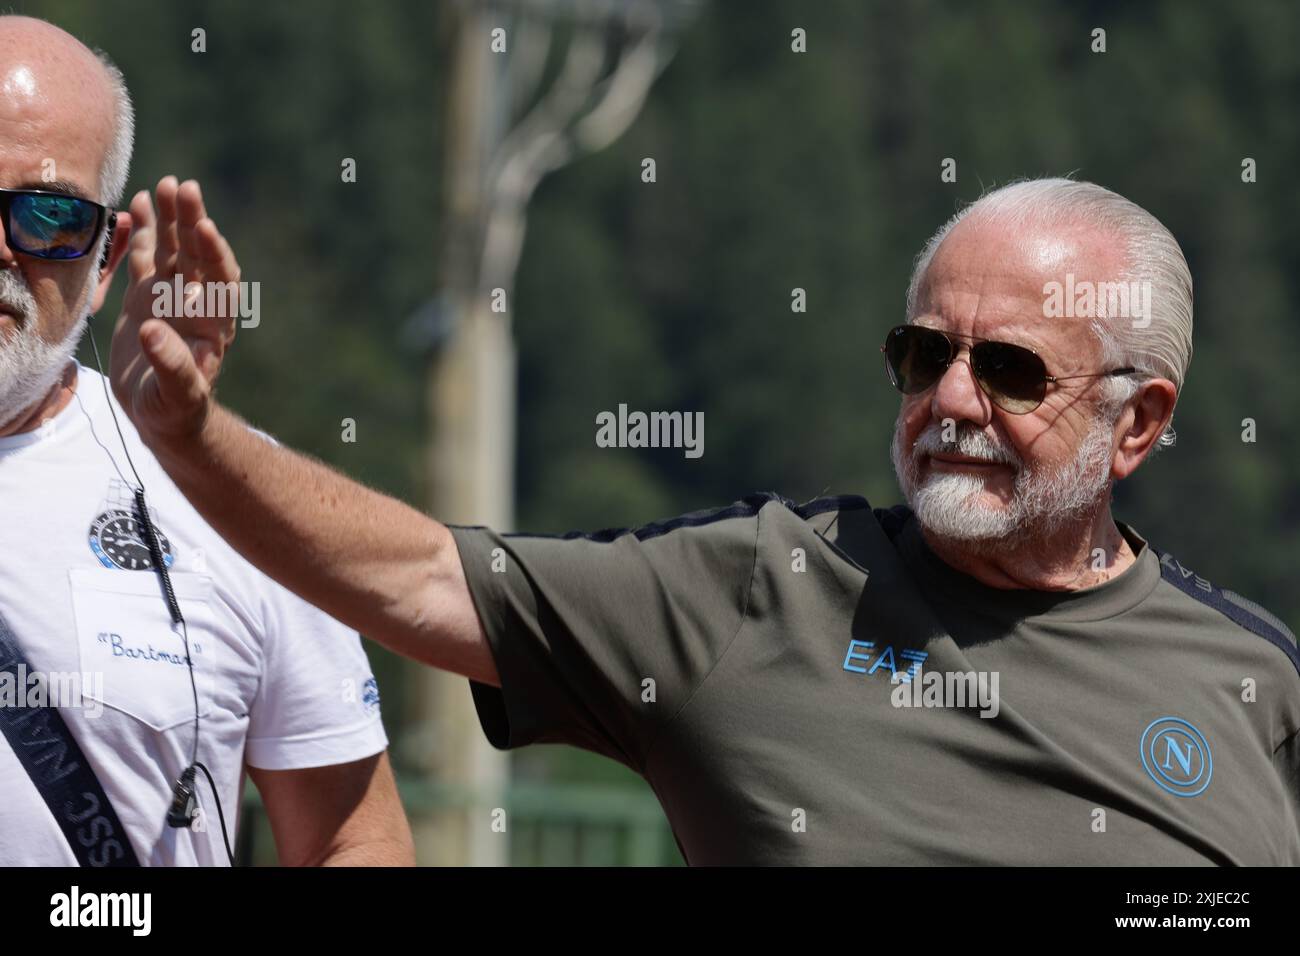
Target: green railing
546, 824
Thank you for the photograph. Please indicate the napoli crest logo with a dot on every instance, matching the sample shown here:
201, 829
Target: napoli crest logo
1177, 756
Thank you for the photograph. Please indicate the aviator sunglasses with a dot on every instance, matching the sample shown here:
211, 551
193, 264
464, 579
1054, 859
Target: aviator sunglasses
50, 225
1013, 377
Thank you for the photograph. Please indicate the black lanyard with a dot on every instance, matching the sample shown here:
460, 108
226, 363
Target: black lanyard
60, 772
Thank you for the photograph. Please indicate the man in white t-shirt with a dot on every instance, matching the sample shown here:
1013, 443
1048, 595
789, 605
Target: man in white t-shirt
100, 687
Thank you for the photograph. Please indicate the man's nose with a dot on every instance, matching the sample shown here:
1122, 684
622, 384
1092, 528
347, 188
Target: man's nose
959, 397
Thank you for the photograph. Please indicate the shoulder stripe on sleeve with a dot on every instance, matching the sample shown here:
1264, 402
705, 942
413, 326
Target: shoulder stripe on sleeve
746, 507
1231, 605
831, 503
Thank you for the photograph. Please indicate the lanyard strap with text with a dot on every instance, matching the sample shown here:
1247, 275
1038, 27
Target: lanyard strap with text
41, 741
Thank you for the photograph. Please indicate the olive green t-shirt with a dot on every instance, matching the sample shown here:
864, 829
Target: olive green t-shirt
812, 685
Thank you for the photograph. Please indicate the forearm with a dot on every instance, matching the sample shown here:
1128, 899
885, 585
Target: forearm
366, 559
337, 815
379, 853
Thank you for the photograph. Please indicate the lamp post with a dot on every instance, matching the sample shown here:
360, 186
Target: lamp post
530, 85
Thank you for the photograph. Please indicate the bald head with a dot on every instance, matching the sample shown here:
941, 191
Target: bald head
61, 102
65, 127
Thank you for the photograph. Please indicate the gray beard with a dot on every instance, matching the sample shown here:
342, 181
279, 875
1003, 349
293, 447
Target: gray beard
29, 365
1042, 502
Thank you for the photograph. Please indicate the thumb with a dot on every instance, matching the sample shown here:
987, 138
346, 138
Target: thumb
179, 380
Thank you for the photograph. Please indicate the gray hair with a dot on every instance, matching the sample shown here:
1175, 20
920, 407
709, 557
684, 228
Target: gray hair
1163, 349
117, 162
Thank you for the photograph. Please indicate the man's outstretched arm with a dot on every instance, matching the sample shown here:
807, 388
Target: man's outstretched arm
366, 559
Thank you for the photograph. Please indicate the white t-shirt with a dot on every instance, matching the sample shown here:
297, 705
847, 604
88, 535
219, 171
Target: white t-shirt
281, 685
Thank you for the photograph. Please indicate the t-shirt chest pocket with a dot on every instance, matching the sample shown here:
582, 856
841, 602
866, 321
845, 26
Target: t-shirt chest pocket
132, 656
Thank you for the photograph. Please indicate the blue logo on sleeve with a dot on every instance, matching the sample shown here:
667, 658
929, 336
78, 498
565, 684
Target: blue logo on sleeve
1177, 756
370, 695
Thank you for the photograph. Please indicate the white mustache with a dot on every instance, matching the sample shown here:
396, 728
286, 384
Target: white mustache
970, 442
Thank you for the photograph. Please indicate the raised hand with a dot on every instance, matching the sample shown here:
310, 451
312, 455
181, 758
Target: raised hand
163, 369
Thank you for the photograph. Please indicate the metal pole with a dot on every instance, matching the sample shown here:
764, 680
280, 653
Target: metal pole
493, 163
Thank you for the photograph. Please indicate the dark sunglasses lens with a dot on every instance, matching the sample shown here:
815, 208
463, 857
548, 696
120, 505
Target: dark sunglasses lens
1014, 378
53, 227
916, 357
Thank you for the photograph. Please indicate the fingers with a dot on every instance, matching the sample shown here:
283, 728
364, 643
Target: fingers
215, 253
215, 260
140, 250
180, 383
183, 240
203, 252
189, 204
168, 238
207, 358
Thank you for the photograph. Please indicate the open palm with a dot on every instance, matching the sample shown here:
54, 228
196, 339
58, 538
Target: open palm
163, 369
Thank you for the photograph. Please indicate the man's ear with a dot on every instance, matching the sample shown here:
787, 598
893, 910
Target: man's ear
1142, 422
119, 232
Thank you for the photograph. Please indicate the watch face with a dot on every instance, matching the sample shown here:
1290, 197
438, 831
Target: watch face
117, 541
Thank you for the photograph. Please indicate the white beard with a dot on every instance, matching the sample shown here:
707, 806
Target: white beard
949, 506
29, 365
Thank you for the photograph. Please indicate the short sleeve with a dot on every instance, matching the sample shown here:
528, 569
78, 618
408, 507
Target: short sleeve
600, 640
318, 702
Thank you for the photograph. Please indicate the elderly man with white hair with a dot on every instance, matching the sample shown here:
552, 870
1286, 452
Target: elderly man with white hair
998, 672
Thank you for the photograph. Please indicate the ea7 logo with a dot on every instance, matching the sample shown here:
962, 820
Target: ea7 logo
860, 653
1175, 566
1177, 756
